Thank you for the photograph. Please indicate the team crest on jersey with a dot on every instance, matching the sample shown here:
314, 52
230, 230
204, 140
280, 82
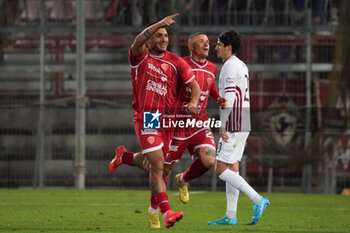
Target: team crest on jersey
164, 66
151, 139
210, 81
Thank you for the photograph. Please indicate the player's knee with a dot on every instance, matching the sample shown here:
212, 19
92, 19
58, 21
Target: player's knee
157, 165
208, 162
220, 167
218, 171
207, 157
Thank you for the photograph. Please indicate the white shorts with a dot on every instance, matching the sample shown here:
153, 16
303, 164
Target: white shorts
232, 151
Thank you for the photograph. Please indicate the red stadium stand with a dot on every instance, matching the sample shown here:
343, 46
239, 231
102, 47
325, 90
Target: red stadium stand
26, 41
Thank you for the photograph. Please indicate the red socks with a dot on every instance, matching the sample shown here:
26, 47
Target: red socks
162, 201
195, 170
127, 158
154, 204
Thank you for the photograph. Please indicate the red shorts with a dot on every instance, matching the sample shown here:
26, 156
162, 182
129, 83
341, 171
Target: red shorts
201, 138
152, 139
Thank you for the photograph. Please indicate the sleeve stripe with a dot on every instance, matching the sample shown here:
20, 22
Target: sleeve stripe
234, 122
232, 87
190, 80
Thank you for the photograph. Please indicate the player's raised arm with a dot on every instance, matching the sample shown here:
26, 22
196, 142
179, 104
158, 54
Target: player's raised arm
138, 45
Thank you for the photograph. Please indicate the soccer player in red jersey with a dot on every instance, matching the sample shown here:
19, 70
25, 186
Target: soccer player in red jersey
156, 74
198, 140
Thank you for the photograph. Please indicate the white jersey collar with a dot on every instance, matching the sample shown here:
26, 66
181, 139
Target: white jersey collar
197, 64
155, 56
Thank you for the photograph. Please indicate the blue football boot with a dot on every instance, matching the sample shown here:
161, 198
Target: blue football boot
224, 221
258, 209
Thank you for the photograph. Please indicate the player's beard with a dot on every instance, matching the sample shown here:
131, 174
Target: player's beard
157, 49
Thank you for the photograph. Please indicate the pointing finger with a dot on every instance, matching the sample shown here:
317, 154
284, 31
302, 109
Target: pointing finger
174, 15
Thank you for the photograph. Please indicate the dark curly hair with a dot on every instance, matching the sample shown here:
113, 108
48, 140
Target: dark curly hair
231, 38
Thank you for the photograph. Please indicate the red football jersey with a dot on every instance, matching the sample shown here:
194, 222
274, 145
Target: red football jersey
205, 74
155, 80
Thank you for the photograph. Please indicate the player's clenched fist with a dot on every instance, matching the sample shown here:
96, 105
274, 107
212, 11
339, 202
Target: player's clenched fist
169, 20
191, 108
221, 102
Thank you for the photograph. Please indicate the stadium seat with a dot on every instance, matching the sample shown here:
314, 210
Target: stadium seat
26, 41
94, 11
31, 11
62, 12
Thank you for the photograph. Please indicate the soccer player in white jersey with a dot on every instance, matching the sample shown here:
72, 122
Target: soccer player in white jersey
235, 128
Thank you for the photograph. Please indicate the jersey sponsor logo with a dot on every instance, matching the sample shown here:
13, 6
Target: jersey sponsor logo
164, 66
204, 92
204, 95
151, 120
156, 87
173, 148
155, 69
230, 80
151, 139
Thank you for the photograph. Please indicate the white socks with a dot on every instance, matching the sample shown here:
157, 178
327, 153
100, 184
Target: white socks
232, 195
153, 211
182, 179
239, 183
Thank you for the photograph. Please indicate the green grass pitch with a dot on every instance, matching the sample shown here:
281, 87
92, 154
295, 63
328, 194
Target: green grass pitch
65, 210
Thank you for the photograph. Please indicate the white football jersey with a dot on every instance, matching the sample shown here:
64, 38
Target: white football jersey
234, 86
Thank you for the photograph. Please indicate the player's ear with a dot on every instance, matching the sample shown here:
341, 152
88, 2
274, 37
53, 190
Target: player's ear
229, 47
190, 47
